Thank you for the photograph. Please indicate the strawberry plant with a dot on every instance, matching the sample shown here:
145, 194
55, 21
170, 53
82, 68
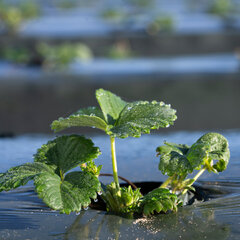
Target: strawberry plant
70, 192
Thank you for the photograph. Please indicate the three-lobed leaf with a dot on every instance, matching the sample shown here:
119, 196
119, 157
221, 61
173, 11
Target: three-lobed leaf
119, 118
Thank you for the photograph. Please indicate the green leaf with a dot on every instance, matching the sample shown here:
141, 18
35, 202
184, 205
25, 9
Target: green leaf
88, 117
174, 163
111, 105
67, 152
159, 200
140, 117
197, 154
20, 175
90, 111
168, 147
210, 147
69, 195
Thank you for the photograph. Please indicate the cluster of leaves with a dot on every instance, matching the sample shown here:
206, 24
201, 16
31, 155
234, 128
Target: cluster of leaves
118, 118
13, 15
210, 152
123, 201
59, 189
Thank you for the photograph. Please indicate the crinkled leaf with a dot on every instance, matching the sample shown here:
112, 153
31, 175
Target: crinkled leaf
197, 154
20, 175
140, 117
67, 152
88, 117
174, 163
210, 147
159, 200
69, 195
111, 105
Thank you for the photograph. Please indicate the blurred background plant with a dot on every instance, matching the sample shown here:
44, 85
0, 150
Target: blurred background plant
12, 15
120, 50
222, 8
60, 56
160, 24
185, 52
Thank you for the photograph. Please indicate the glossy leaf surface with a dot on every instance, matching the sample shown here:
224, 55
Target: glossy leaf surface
111, 105
140, 117
210, 147
88, 117
67, 152
20, 175
65, 193
70, 194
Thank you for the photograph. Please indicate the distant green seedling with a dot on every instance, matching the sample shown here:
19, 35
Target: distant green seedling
222, 8
13, 15
19, 55
160, 24
120, 50
60, 56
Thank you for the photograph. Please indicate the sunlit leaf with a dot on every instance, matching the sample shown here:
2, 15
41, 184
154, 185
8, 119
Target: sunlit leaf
21, 175
111, 105
67, 152
88, 117
210, 147
70, 194
140, 117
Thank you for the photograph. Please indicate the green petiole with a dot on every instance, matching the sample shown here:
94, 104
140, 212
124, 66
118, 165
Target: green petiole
114, 163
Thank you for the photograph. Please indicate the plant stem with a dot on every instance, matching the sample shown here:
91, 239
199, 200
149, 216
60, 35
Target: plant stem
114, 163
165, 184
61, 175
195, 178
